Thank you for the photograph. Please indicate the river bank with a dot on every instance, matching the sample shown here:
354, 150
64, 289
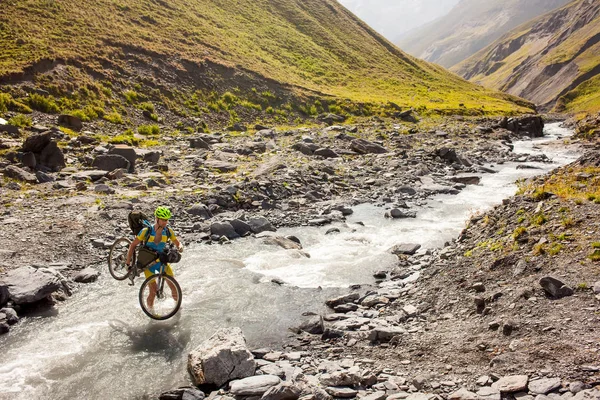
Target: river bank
373, 178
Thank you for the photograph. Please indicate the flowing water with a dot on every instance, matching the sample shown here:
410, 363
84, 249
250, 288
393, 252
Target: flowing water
99, 344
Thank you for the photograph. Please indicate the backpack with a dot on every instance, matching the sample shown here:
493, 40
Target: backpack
137, 221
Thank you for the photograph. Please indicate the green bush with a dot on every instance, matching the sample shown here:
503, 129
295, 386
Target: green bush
115, 118
20, 120
44, 104
148, 130
229, 98
147, 106
131, 96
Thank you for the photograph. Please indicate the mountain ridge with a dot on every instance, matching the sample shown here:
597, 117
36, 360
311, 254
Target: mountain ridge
546, 59
314, 47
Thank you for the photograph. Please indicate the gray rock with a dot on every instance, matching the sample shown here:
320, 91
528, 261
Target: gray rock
52, 157
4, 328
92, 175
597, 287
326, 153
200, 210
405, 248
488, 393
19, 174
241, 227
110, 162
348, 298
87, 275
254, 385
543, 386
29, 160
11, 315
511, 384
380, 395
198, 143
224, 229
260, 224
589, 394
221, 358
574, 387
283, 391
183, 393
305, 148
314, 325
37, 143
9, 129
43, 177
362, 146
28, 285
221, 166
70, 121
397, 213
466, 179
153, 157
463, 394
103, 188
555, 287
341, 392
385, 334
127, 152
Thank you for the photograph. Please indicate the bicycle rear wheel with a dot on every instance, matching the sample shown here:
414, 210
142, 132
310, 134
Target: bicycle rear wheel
160, 296
117, 259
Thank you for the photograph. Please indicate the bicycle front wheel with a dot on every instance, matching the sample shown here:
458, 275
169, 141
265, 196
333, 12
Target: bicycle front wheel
117, 259
160, 296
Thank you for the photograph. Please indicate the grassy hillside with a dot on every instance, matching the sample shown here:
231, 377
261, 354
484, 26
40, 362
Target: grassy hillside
188, 54
470, 26
556, 56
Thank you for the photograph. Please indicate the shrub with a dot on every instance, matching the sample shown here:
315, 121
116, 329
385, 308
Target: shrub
147, 106
131, 96
20, 120
115, 118
148, 130
595, 256
43, 104
270, 110
519, 232
229, 98
539, 219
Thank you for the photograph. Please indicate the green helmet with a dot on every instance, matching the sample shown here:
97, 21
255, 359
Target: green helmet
162, 213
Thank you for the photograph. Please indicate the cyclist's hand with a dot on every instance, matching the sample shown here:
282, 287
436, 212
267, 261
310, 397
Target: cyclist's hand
180, 248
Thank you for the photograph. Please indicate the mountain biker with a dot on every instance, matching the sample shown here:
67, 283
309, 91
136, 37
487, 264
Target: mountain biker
156, 238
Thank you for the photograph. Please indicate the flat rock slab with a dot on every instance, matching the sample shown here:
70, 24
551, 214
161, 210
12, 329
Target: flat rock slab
591, 394
463, 394
254, 385
28, 285
221, 166
543, 386
341, 392
488, 393
511, 384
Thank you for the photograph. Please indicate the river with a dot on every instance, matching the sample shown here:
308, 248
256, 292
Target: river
99, 344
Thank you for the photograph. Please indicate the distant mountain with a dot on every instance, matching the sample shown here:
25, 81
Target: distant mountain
280, 58
469, 27
554, 58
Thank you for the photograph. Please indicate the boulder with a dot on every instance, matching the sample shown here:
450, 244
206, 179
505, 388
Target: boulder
463, 394
224, 229
28, 285
305, 148
341, 392
254, 385
127, 152
222, 358
330, 119
396, 213
511, 384
466, 179
19, 174
590, 394
241, 227
544, 385
451, 156
52, 157
363, 146
43, 177
29, 160
555, 287
531, 125
70, 121
37, 143
314, 325
110, 162
347, 298
11, 315
9, 128
260, 224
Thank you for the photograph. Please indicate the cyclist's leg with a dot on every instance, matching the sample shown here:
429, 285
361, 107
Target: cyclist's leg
148, 272
169, 272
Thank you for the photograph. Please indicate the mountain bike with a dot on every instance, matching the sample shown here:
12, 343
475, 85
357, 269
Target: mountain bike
160, 294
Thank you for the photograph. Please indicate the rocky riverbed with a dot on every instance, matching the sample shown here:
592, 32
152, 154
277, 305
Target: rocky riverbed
474, 311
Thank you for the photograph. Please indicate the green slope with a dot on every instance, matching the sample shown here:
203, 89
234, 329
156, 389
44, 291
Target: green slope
553, 58
314, 47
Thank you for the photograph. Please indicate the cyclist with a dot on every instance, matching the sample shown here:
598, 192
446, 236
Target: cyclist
156, 238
